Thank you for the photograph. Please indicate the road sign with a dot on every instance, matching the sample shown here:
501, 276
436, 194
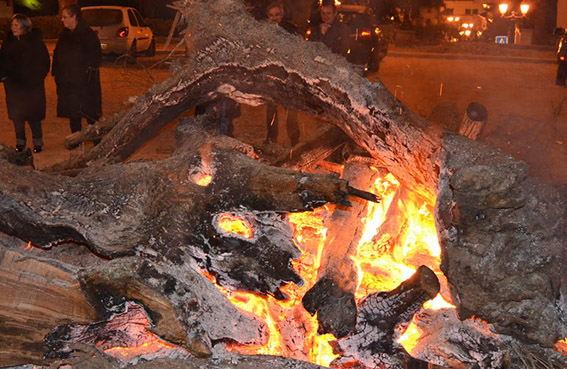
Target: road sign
501, 39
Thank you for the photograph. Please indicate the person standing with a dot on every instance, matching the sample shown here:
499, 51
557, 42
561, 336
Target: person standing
76, 60
561, 76
24, 64
275, 13
330, 30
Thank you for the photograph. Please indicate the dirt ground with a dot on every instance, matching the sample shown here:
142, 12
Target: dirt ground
527, 112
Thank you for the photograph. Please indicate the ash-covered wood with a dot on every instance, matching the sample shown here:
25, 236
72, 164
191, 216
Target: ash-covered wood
86, 356
503, 241
447, 341
35, 296
158, 208
373, 342
326, 140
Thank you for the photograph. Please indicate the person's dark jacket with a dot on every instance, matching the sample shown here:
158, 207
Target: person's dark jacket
24, 64
76, 60
288, 26
337, 37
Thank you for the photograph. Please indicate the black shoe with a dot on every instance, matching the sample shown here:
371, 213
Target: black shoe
20, 148
37, 149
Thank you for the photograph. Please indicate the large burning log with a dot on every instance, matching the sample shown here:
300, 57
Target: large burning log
162, 209
254, 63
498, 227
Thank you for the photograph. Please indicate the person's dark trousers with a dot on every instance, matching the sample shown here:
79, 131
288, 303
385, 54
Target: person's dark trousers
225, 124
37, 134
76, 126
272, 122
561, 74
292, 127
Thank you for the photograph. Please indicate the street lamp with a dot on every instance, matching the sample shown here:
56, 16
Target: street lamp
524, 8
514, 17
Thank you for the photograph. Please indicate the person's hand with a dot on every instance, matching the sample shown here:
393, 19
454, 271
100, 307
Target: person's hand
324, 27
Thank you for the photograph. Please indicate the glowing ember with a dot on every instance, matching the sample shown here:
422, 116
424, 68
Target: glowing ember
411, 335
438, 303
292, 329
231, 223
204, 175
203, 179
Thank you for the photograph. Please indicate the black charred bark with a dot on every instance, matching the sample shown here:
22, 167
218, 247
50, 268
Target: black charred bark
373, 342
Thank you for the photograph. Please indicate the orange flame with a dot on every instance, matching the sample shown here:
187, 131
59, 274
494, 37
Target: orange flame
398, 236
292, 331
232, 223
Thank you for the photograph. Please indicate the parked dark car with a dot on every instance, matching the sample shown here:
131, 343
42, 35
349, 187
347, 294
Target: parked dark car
368, 44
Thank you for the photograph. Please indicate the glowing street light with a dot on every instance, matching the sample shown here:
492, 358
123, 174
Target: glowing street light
524, 8
503, 8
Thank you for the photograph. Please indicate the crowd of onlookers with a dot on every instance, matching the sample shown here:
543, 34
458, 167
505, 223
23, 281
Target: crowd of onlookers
327, 29
25, 63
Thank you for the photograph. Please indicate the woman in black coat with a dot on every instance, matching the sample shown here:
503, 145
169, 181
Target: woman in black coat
76, 59
24, 64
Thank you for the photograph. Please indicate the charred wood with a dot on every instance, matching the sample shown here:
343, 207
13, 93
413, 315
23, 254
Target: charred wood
148, 207
320, 145
9, 154
373, 342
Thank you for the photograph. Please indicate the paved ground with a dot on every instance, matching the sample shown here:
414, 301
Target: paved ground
526, 114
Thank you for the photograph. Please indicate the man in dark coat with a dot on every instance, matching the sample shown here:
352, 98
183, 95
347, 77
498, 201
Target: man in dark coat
76, 60
24, 64
330, 31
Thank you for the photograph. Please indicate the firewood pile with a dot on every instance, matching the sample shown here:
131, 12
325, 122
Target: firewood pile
97, 238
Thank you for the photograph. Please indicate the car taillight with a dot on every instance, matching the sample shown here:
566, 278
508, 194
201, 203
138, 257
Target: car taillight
561, 58
123, 32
